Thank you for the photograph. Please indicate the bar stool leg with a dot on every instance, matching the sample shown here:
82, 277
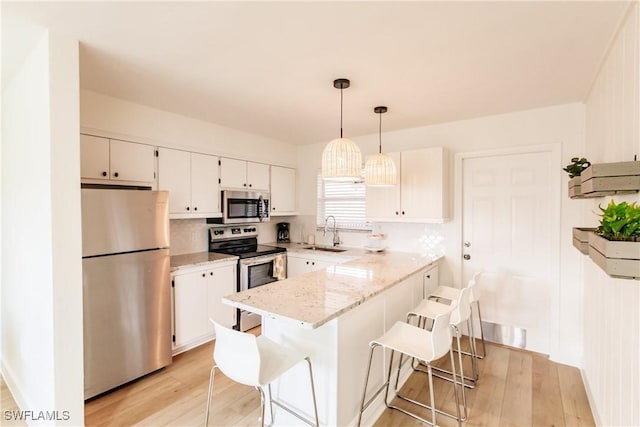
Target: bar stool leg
366, 382
464, 397
484, 349
473, 349
313, 391
455, 390
262, 398
431, 395
270, 403
211, 377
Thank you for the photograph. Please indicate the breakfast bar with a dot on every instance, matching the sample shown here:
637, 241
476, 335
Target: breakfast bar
333, 314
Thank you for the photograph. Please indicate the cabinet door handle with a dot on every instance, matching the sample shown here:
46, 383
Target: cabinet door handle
245, 184
104, 173
115, 174
195, 209
187, 207
203, 275
307, 262
250, 185
211, 273
313, 263
396, 212
402, 212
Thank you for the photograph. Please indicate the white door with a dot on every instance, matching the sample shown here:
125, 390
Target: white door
508, 231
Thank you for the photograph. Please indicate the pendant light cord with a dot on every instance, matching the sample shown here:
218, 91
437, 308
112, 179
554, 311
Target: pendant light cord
380, 135
341, 112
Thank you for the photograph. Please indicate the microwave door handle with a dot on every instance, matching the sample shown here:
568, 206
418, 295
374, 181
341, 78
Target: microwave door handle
263, 204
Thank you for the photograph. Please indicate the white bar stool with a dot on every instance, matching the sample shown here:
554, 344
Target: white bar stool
451, 294
418, 343
257, 362
429, 309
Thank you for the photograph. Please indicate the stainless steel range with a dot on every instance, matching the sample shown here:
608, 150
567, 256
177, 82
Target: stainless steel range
258, 264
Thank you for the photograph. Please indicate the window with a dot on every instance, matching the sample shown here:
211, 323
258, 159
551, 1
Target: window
345, 200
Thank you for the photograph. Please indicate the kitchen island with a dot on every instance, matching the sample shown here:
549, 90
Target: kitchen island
333, 314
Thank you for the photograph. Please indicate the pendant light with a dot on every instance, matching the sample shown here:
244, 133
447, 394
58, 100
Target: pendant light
341, 158
380, 170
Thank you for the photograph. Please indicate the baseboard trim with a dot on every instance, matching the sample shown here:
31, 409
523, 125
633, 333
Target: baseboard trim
12, 384
591, 399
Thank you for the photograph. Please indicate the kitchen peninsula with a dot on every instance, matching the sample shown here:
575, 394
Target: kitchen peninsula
333, 314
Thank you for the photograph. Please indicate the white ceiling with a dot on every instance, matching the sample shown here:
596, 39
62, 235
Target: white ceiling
267, 67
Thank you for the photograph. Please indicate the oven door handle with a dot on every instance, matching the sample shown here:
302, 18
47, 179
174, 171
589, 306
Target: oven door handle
249, 262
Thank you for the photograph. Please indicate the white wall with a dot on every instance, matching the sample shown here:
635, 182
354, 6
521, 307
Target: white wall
135, 122
41, 241
612, 306
563, 124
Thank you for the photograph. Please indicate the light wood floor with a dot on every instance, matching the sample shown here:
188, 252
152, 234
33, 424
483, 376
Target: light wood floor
516, 388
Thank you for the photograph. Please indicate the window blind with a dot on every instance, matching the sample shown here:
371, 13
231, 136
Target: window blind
345, 200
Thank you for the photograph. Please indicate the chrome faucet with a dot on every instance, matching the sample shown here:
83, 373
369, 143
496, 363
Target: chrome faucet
336, 237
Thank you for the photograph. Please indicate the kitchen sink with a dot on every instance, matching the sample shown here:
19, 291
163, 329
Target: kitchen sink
324, 249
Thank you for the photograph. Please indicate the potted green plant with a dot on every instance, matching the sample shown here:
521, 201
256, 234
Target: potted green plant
576, 166
574, 169
615, 244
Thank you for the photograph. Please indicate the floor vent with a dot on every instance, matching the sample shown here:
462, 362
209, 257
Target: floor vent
505, 334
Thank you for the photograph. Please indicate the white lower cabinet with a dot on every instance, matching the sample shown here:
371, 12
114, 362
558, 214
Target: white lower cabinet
430, 280
299, 264
197, 294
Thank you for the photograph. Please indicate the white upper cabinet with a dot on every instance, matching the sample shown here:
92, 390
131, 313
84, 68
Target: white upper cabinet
283, 191
94, 157
240, 174
205, 190
258, 176
421, 194
192, 182
384, 202
115, 160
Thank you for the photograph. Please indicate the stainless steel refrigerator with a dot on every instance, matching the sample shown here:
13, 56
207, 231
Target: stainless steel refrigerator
126, 286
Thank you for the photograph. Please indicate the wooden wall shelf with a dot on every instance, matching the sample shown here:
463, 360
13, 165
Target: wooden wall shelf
605, 179
617, 259
581, 239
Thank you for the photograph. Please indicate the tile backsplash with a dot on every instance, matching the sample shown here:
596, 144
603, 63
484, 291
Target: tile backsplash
189, 236
192, 235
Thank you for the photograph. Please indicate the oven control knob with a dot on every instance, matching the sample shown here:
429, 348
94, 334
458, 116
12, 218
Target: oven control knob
253, 229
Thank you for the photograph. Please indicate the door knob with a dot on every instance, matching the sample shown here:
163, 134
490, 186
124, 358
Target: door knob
466, 256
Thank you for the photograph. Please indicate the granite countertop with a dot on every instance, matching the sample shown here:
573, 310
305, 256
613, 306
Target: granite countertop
198, 258
314, 299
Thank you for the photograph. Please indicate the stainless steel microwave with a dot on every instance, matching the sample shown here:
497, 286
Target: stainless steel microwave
240, 207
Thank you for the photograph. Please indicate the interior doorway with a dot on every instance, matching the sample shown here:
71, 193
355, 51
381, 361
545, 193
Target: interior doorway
510, 222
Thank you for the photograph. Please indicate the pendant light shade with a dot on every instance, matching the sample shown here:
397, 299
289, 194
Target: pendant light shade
341, 158
380, 170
